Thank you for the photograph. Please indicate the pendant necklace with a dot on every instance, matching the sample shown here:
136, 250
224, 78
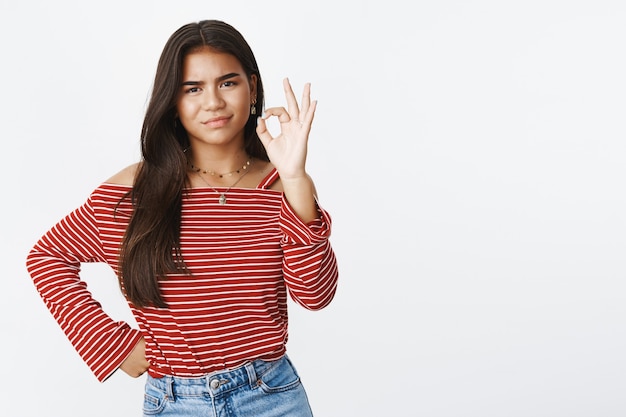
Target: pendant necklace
222, 199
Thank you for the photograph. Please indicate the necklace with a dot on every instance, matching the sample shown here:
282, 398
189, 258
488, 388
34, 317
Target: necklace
222, 199
213, 173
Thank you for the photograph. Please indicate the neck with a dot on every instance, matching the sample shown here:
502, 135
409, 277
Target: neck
224, 167
218, 163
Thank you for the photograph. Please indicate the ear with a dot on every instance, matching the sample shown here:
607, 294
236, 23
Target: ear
253, 82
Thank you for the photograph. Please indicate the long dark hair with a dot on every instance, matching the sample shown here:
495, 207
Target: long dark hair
151, 245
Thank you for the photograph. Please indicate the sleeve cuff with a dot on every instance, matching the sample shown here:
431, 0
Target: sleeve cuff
118, 356
295, 231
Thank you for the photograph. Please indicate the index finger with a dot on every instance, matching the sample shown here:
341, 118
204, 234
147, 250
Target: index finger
292, 103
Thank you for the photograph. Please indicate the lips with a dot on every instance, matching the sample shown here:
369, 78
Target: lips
216, 122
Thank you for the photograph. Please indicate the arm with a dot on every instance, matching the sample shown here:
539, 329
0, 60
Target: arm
309, 262
54, 265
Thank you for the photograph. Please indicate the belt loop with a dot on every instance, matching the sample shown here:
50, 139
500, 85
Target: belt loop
170, 388
252, 378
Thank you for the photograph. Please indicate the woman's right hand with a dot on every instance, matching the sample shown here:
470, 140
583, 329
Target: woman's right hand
136, 364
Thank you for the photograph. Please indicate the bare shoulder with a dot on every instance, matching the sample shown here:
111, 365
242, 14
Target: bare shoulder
126, 176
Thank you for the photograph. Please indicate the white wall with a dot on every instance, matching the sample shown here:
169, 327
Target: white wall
472, 154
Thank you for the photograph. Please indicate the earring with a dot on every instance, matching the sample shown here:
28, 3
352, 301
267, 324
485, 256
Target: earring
253, 108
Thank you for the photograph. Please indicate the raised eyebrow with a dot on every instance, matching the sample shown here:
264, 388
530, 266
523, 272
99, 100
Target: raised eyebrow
228, 76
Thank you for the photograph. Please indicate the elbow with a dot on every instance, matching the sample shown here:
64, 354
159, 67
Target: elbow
318, 300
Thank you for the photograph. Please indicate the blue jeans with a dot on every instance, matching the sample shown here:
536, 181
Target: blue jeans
258, 388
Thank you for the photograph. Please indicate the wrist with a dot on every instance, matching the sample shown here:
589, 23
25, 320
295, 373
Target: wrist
296, 178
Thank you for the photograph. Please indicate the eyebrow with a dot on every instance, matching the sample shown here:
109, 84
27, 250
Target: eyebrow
219, 79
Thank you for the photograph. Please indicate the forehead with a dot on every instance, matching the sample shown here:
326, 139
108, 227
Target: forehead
209, 63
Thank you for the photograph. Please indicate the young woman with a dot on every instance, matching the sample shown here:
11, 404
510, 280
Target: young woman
208, 233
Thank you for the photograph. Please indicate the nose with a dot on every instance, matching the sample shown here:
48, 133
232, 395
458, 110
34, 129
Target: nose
211, 99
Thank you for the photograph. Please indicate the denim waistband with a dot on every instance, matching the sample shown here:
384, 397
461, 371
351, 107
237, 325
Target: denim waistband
215, 383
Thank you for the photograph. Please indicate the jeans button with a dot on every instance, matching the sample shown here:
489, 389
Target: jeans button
215, 383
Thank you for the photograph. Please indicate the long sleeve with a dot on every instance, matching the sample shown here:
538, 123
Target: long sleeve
309, 265
54, 265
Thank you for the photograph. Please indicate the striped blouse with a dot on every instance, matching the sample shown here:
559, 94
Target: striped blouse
244, 257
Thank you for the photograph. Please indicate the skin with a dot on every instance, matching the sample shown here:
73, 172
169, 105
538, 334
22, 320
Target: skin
213, 105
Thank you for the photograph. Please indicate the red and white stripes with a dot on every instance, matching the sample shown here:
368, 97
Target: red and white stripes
244, 257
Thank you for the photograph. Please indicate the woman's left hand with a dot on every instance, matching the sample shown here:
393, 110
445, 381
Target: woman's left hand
288, 150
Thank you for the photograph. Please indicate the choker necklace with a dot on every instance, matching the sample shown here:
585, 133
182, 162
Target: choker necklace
222, 199
213, 173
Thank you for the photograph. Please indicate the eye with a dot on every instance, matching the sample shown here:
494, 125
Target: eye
192, 90
229, 84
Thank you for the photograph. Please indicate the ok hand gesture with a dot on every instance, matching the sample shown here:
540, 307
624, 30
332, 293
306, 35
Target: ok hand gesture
288, 150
